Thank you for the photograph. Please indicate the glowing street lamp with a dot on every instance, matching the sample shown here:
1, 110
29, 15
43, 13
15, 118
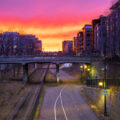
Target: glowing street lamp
15, 46
81, 69
81, 66
88, 69
100, 84
85, 66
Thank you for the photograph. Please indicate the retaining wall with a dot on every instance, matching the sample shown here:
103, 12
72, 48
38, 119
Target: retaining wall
113, 101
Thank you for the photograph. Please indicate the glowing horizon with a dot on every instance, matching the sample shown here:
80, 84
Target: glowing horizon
50, 23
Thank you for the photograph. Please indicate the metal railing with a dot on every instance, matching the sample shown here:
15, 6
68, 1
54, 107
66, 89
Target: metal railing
115, 83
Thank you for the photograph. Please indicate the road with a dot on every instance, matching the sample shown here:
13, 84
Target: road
65, 103
63, 75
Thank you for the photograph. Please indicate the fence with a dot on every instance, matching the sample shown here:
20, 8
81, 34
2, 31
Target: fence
100, 83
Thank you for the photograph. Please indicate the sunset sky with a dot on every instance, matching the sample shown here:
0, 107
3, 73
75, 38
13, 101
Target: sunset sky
52, 21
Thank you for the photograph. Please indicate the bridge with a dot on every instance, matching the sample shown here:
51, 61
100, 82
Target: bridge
47, 59
25, 60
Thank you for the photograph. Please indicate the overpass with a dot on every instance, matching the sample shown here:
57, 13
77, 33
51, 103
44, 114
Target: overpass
25, 60
47, 59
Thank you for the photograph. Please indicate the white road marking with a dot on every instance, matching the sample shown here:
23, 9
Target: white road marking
59, 96
55, 107
63, 107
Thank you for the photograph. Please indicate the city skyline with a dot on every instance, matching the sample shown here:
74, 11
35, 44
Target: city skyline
52, 22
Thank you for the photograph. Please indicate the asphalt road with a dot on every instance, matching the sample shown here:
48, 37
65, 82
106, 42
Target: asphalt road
63, 75
65, 103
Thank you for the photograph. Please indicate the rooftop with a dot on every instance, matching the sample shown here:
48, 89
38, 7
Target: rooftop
116, 5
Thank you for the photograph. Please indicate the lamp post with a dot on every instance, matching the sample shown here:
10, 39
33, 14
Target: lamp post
81, 69
105, 80
86, 70
91, 71
105, 97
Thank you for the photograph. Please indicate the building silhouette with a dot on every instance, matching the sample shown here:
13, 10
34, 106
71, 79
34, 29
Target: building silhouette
14, 44
87, 40
67, 47
102, 38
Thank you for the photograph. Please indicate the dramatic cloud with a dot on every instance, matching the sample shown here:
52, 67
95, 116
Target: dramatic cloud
52, 21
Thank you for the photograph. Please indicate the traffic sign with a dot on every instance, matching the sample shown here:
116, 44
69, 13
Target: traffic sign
105, 92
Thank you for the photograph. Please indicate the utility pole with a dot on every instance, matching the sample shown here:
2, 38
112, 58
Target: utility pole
105, 97
91, 71
105, 81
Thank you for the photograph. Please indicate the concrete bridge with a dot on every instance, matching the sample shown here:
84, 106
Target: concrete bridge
25, 60
45, 59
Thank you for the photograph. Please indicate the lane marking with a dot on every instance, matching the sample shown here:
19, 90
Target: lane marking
55, 107
63, 106
59, 96
56, 103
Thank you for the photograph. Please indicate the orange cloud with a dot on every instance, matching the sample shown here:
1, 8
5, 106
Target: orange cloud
52, 33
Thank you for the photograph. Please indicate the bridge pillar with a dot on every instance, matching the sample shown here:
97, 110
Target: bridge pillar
57, 73
36, 65
0, 71
14, 71
25, 73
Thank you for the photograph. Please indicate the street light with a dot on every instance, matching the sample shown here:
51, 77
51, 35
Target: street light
85, 66
100, 84
105, 80
15, 46
81, 68
88, 69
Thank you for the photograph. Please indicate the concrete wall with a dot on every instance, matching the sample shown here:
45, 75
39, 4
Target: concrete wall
113, 101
